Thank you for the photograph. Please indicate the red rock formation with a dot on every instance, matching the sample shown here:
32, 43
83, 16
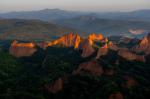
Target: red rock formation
102, 51
16, 44
74, 40
42, 45
22, 49
87, 44
105, 48
125, 53
143, 46
113, 46
116, 95
95, 37
56, 86
86, 47
91, 67
67, 40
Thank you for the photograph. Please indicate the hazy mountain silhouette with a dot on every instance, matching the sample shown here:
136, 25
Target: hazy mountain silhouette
91, 23
53, 14
45, 15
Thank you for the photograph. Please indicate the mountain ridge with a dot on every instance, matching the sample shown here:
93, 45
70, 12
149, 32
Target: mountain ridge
29, 30
58, 14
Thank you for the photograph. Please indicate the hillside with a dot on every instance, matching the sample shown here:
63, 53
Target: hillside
30, 30
110, 23
137, 15
61, 72
91, 23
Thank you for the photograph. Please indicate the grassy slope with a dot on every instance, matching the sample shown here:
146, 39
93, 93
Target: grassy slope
30, 30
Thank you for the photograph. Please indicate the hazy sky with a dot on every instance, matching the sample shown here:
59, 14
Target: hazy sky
79, 5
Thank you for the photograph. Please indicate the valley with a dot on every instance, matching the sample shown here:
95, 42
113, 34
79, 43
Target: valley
76, 67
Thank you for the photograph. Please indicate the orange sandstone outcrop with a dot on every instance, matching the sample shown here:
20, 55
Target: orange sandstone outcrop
67, 40
22, 49
91, 67
72, 39
105, 48
143, 46
95, 37
86, 47
16, 44
87, 44
125, 53
102, 51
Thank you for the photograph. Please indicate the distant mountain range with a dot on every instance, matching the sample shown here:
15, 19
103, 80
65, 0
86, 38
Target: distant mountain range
109, 23
106, 26
138, 15
54, 14
44, 15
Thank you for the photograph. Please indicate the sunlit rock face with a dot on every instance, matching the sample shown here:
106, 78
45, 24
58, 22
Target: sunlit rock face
95, 37
105, 48
117, 95
102, 51
77, 42
143, 46
126, 54
42, 45
72, 39
56, 86
67, 40
22, 49
86, 47
91, 67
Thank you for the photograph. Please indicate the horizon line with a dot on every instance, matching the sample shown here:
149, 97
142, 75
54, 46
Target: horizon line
3, 12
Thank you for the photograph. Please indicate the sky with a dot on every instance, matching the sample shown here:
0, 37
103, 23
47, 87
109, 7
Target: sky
74, 5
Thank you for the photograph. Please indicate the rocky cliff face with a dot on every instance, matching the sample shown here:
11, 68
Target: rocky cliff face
91, 67
67, 40
86, 48
105, 48
123, 52
22, 49
72, 39
84, 44
128, 55
143, 46
95, 37
102, 51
